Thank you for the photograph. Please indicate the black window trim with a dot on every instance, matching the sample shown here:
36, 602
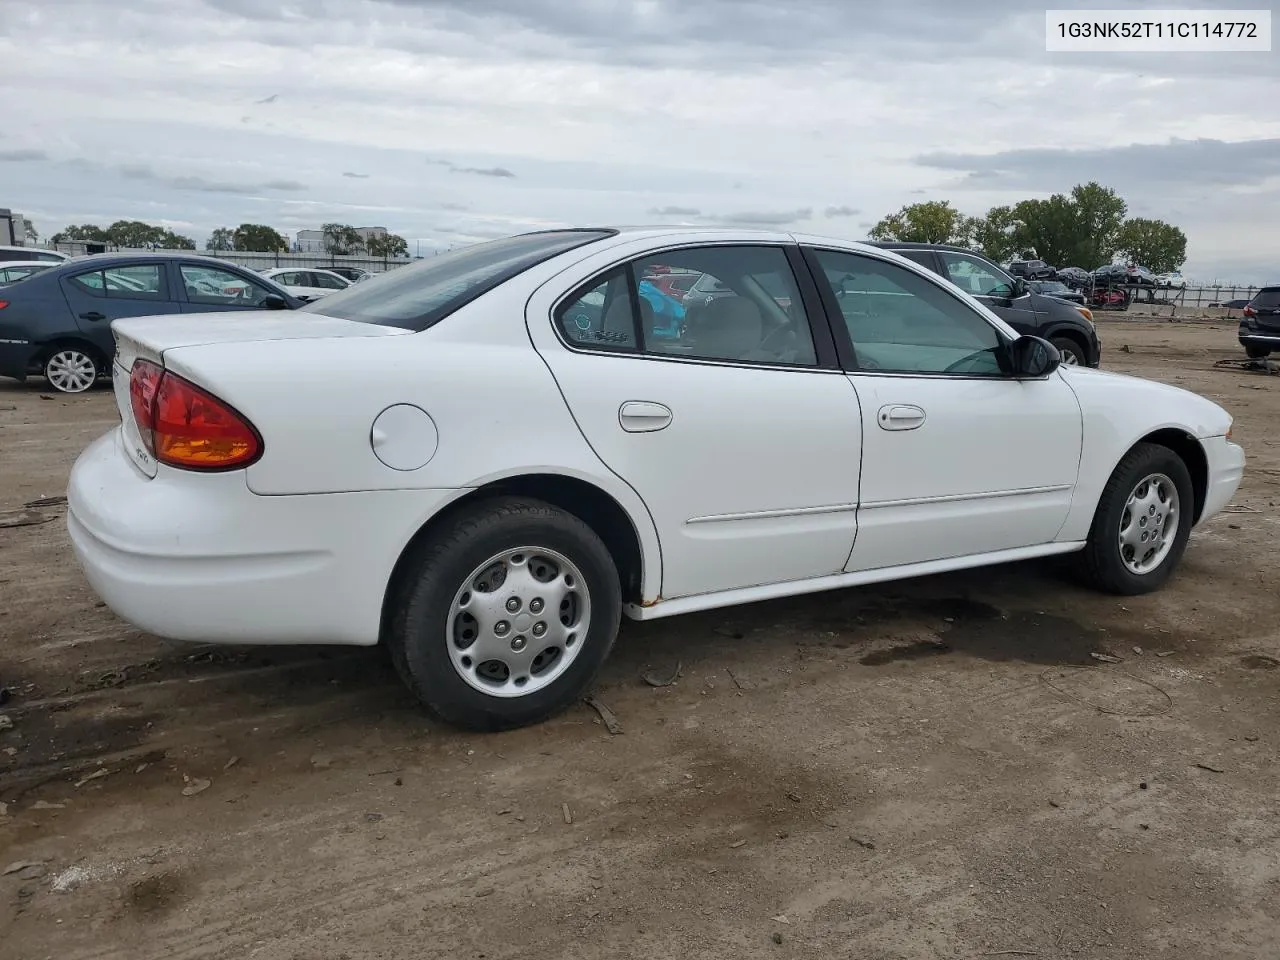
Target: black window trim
844, 343
824, 344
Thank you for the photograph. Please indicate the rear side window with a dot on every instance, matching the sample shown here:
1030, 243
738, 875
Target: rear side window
421, 295
1267, 299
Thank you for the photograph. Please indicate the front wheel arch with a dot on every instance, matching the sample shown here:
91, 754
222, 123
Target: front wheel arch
1190, 451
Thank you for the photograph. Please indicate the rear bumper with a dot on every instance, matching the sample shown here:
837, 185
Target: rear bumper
1253, 337
201, 557
1226, 469
17, 358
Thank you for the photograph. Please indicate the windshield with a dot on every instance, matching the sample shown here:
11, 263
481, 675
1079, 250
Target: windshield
1267, 299
422, 294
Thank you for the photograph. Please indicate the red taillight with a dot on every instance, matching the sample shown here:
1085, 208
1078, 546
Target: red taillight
143, 380
1249, 311
3, 304
184, 426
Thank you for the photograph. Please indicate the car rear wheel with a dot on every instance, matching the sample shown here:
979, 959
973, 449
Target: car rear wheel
503, 616
1257, 353
71, 370
1142, 524
1072, 353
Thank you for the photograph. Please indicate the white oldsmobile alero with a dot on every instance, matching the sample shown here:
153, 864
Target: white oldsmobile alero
485, 459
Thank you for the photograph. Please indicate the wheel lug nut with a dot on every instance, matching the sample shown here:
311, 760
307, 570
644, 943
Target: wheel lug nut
513, 604
535, 605
517, 643
501, 628
539, 628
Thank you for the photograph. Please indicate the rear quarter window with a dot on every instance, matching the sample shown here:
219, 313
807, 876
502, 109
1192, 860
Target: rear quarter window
1267, 299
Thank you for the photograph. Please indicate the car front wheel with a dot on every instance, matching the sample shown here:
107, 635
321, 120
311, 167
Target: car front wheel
71, 370
1142, 523
504, 615
1072, 354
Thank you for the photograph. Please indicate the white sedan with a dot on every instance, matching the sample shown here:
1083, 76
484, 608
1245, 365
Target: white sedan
307, 284
485, 459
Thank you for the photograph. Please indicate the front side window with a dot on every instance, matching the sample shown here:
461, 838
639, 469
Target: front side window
900, 322
212, 286
742, 305
976, 277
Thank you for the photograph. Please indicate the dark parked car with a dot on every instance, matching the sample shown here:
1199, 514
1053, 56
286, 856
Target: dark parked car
1260, 325
1140, 275
1111, 275
57, 323
1068, 326
1056, 288
1077, 278
1032, 270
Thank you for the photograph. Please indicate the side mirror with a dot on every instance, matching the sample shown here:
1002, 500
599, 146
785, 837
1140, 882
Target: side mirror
273, 301
1020, 287
1032, 358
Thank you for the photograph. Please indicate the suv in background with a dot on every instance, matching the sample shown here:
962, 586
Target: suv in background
1032, 270
1260, 325
1067, 326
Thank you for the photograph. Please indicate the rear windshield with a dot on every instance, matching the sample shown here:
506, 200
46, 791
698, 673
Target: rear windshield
417, 296
1267, 299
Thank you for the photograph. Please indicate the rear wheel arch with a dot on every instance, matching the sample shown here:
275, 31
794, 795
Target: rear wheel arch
589, 503
50, 347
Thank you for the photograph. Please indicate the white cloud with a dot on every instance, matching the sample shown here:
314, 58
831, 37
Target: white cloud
455, 120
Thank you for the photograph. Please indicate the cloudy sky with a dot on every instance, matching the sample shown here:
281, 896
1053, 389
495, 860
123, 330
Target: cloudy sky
449, 121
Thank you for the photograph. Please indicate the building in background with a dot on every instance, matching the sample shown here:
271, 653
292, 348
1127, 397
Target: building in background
14, 228
312, 241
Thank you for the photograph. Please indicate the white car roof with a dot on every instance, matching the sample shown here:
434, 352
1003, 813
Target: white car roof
26, 263
6, 248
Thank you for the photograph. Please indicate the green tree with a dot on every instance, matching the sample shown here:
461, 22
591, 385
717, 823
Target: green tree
87, 231
996, 233
175, 241
257, 238
389, 246
1099, 216
1153, 243
341, 239
135, 234
935, 221
222, 238
1047, 228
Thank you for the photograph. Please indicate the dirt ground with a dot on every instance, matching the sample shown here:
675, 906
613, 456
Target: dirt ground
931, 769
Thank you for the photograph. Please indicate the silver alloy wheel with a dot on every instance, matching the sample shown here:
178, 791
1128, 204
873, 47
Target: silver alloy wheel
71, 371
1149, 524
1069, 358
518, 621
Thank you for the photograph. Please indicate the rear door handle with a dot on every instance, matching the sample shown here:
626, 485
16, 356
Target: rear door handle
93, 315
643, 416
900, 416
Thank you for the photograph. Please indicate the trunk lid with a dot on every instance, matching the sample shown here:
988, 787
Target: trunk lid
149, 337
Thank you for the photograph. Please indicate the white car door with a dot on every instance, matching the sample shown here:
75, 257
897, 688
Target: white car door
958, 457
734, 423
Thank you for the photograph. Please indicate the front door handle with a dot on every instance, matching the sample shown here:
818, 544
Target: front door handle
93, 315
643, 416
900, 416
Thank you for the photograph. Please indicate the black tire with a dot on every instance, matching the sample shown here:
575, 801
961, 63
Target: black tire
419, 623
1103, 564
1257, 353
1072, 352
